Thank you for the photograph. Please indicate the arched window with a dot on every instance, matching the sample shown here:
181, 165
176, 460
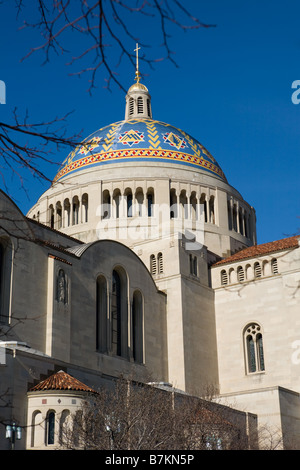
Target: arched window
101, 314
254, 348
50, 428
229, 215
137, 327
153, 264
140, 105
128, 195
193, 205
240, 274
183, 205
212, 210
75, 210
67, 211
139, 196
173, 204
117, 199
257, 270
119, 314
160, 263
234, 218
51, 216
193, 265
274, 266
204, 206
106, 209
85, 207
58, 215
224, 278
150, 202
37, 422
131, 106
148, 108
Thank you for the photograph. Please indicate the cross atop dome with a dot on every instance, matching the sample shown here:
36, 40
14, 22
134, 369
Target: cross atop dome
137, 72
138, 99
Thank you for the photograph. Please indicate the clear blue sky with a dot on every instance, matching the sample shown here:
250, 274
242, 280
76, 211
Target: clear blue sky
232, 92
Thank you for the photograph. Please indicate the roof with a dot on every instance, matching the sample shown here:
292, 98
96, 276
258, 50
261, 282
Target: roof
61, 381
139, 141
260, 250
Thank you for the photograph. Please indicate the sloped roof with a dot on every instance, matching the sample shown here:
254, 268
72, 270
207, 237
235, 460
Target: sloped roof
260, 250
61, 381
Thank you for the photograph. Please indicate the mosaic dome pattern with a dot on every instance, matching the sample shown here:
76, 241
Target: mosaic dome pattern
139, 140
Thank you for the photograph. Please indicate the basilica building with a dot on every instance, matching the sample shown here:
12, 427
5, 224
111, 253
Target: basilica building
142, 259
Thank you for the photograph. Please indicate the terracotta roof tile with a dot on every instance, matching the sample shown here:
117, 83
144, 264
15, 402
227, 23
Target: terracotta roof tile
61, 381
260, 250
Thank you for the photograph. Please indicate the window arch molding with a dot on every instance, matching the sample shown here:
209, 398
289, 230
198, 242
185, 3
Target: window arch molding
254, 348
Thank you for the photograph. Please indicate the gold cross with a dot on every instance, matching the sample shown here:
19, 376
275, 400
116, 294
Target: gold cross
137, 73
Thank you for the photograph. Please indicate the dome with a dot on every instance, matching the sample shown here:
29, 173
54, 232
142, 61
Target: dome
140, 140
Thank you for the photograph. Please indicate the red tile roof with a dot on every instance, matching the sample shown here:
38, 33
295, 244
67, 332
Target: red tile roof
61, 381
260, 250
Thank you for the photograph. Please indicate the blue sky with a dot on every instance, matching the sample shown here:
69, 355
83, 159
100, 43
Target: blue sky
232, 91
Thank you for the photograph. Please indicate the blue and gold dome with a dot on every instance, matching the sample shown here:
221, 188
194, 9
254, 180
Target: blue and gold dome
140, 140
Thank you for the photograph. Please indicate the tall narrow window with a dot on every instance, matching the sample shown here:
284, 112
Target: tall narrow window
129, 203
101, 314
204, 206
140, 105
119, 314
224, 278
274, 266
212, 210
137, 327
150, 198
67, 213
160, 263
131, 106
50, 427
240, 274
153, 264
173, 204
117, 199
75, 210
116, 314
254, 348
106, 209
51, 216
85, 207
257, 270
58, 215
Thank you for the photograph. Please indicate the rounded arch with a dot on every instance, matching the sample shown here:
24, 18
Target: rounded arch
253, 346
50, 427
37, 422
